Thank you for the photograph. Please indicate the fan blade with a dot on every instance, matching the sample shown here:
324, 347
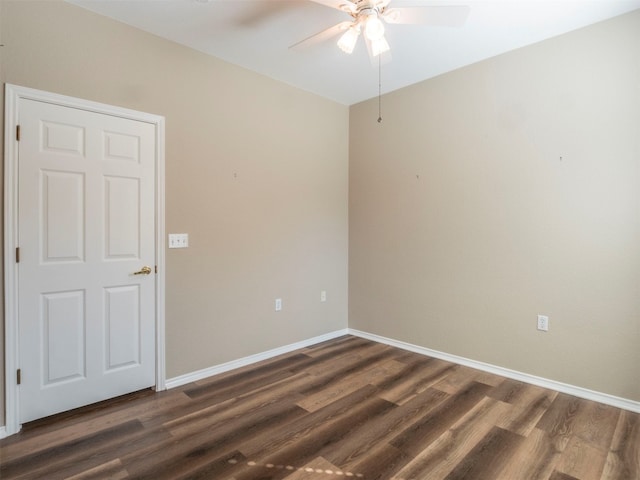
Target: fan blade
321, 36
445, 16
344, 5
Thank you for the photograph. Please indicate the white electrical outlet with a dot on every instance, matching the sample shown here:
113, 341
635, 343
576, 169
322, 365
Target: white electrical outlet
543, 323
278, 304
323, 296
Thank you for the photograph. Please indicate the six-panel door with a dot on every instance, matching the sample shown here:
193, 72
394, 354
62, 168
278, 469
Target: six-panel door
86, 225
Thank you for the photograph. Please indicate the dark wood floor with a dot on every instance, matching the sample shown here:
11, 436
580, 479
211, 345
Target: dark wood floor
346, 408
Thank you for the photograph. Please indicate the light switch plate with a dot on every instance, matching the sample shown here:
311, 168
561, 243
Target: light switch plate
178, 240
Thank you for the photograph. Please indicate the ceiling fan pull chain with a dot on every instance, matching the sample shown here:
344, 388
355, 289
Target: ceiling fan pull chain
379, 89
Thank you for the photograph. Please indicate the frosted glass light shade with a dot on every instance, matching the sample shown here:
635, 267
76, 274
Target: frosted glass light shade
373, 28
379, 46
348, 40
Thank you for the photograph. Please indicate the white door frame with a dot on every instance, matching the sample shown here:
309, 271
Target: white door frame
13, 94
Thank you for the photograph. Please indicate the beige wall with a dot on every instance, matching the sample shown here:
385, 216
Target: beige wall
505, 190
256, 173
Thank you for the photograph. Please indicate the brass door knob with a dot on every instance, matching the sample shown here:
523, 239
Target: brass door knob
143, 271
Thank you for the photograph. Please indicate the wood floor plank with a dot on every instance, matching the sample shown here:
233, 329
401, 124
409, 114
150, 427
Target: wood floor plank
349, 363
369, 436
623, 459
561, 476
374, 374
428, 428
112, 470
307, 443
48, 457
199, 447
284, 434
560, 418
416, 377
582, 460
442, 456
528, 409
372, 411
381, 463
488, 378
234, 385
536, 458
486, 459
31, 441
197, 469
202, 415
314, 470
337, 346
78, 460
458, 378
521, 394
597, 424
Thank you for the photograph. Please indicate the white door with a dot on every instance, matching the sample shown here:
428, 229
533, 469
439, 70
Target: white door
86, 224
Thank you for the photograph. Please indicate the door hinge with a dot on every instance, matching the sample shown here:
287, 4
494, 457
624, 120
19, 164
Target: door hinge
18, 133
19, 376
17, 254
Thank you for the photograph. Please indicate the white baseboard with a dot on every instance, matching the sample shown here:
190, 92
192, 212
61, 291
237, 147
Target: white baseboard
258, 357
580, 392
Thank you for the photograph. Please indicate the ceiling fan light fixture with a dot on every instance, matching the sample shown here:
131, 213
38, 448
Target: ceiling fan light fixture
348, 39
374, 28
379, 46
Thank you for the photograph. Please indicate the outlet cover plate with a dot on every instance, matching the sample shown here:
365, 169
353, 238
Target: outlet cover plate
543, 323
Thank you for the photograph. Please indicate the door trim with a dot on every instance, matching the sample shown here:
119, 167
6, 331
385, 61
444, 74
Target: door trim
13, 95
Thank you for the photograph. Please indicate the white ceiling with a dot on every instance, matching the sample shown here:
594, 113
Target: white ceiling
256, 34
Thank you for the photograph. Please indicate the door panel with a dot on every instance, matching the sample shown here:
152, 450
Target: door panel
63, 334
122, 318
86, 223
62, 138
119, 146
122, 217
62, 216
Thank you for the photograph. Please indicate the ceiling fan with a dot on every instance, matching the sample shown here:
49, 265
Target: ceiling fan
367, 18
